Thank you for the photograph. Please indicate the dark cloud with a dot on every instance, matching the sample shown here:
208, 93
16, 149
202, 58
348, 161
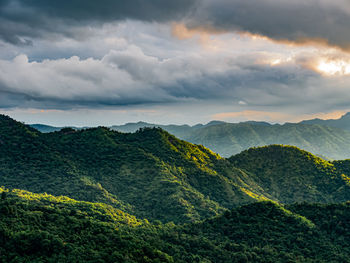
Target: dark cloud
149, 10
297, 20
23, 19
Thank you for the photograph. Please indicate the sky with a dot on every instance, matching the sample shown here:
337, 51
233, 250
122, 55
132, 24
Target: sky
89, 63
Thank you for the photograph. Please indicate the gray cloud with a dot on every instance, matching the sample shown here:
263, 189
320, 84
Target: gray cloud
130, 77
279, 19
148, 10
21, 20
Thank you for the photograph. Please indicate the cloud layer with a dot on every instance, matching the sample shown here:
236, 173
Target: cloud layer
21, 20
130, 77
298, 21
234, 55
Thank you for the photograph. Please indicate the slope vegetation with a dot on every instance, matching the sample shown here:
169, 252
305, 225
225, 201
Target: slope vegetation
149, 173
44, 228
152, 174
289, 174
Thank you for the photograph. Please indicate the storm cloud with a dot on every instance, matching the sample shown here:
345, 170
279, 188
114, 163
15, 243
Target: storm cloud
298, 21
22, 19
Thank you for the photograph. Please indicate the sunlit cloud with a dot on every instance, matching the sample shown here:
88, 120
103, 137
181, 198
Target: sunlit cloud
335, 67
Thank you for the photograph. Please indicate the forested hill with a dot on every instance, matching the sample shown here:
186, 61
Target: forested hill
98, 195
44, 228
150, 173
291, 175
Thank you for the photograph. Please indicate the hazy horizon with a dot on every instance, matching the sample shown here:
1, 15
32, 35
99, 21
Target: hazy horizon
168, 123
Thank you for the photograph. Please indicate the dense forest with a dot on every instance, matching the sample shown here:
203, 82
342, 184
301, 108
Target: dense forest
44, 228
99, 195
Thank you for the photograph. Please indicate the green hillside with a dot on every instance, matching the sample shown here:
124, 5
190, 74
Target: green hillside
106, 196
152, 174
149, 173
290, 175
45, 128
44, 228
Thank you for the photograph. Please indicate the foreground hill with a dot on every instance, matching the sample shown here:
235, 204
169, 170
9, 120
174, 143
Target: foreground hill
43, 228
289, 174
150, 173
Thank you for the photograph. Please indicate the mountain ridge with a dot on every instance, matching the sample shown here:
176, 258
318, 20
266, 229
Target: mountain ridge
343, 122
228, 139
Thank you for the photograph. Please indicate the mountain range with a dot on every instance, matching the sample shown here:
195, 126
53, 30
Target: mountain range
329, 139
152, 174
100, 195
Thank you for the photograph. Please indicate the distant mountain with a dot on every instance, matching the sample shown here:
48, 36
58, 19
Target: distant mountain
228, 139
177, 130
47, 128
343, 122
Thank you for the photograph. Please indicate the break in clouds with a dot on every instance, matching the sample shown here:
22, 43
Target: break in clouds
96, 54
